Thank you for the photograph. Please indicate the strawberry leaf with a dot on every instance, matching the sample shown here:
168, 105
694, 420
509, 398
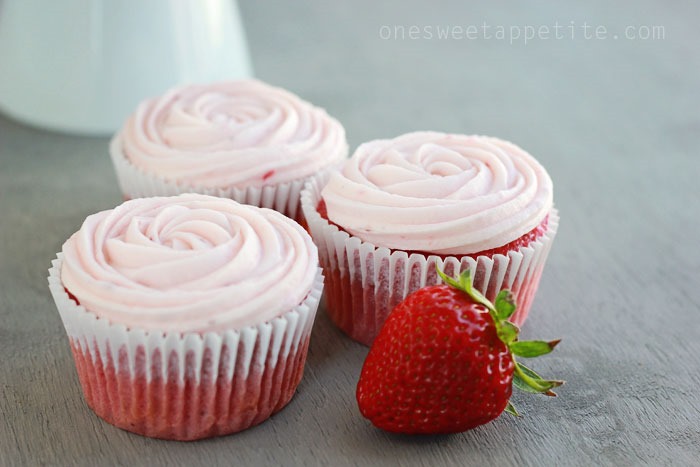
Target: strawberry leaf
520, 383
510, 408
465, 280
465, 285
507, 332
448, 280
527, 380
505, 304
531, 374
530, 349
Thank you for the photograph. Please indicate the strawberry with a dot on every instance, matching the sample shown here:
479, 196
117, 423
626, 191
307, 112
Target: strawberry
445, 361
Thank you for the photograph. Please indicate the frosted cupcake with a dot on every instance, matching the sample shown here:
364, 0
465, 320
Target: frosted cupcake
243, 140
188, 316
400, 207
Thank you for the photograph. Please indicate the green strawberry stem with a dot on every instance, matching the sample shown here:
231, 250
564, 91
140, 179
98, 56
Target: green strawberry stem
503, 308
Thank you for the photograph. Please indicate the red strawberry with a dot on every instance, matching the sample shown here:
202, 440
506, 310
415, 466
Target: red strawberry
444, 362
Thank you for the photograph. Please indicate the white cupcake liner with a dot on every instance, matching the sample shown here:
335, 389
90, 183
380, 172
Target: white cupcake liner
186, 385
365, 282
137, 183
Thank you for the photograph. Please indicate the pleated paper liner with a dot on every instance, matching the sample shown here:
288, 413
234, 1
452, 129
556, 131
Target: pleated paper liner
186, 386
136, 183
365, 282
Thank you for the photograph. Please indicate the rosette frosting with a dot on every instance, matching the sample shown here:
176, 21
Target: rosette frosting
238, 133
439, 193
190, 263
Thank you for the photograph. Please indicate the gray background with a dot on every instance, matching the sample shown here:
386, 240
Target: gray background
615, 121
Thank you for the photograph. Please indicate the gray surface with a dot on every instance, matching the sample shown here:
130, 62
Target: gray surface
616, 123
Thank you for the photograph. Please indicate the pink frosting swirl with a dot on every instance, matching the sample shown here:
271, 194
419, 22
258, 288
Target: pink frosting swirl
439, 193
238, 133
189, 263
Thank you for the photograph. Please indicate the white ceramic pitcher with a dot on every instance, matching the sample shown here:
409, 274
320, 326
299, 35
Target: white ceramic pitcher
83, 65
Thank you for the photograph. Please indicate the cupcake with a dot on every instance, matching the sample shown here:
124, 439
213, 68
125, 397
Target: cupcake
188, 316
243, 140
398, 208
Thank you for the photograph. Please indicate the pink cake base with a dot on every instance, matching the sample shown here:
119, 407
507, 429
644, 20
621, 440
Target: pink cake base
178, 407
360, 310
